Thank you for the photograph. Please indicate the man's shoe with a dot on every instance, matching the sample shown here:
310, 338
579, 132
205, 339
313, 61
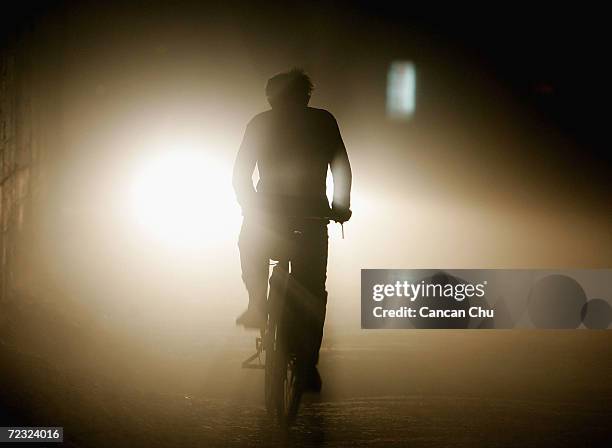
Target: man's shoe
252, 318
312, 380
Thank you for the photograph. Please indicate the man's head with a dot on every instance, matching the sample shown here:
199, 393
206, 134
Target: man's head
292, 88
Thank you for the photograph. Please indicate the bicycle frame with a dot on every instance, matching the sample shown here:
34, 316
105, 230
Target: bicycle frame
283, 385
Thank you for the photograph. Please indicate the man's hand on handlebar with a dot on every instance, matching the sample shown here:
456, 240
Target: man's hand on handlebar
340, 215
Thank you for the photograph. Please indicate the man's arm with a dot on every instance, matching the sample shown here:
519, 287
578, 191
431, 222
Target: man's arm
242, 178
343, 177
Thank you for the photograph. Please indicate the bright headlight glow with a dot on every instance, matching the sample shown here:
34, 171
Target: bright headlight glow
183, 197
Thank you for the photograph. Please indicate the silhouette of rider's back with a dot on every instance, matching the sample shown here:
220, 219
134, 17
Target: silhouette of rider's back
292, 146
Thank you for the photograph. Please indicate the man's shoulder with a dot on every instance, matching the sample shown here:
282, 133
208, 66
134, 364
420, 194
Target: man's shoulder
323, 120
321, 114
260, 118
313, 114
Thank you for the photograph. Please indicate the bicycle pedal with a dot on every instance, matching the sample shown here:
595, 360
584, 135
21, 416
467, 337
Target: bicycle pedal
253, 362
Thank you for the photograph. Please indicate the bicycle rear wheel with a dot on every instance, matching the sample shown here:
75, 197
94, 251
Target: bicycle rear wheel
283, 378
289, 388
270, 369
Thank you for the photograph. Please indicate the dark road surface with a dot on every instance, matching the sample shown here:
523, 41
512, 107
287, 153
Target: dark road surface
381, 389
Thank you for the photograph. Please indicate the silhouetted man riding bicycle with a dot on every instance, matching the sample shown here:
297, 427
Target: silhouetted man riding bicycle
292, 146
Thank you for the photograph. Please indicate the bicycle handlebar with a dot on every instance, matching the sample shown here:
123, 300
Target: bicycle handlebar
322, 218
318, 218
313, 218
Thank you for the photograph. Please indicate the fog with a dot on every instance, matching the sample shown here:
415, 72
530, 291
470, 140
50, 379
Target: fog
130, 243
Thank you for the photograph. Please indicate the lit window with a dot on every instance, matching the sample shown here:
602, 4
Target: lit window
401, 90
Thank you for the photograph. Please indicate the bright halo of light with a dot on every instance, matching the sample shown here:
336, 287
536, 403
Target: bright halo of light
183, 198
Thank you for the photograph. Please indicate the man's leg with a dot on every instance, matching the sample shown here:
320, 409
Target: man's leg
309, 270
255, 264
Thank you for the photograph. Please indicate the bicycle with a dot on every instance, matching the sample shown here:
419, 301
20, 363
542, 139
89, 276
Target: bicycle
283, 361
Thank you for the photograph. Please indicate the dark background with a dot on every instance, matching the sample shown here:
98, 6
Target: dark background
551, 57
